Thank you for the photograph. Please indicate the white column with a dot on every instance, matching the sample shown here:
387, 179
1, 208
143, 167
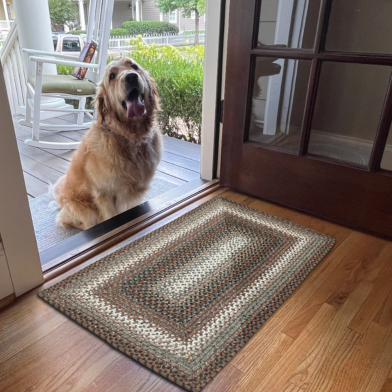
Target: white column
34, 29
6, 14
81, 15
138, 10
35, 32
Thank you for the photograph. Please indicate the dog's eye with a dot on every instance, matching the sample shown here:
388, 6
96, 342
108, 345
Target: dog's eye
134, 66
112, 76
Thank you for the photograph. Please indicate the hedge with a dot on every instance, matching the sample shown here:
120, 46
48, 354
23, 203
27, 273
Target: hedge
180, 86
77, 31
117, 32
149, 27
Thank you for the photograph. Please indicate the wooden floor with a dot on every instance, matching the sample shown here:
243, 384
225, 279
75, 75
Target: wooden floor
333, 334
180, 162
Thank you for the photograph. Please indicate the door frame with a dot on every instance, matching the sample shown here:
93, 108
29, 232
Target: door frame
349, 195
211, 87
16, 226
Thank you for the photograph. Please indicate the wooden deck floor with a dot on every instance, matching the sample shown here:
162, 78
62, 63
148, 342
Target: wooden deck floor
333, 334
180, 162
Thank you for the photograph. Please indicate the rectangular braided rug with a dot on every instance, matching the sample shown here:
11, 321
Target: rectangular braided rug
184, 299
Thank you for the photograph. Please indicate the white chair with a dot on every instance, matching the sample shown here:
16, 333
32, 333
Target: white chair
67, 86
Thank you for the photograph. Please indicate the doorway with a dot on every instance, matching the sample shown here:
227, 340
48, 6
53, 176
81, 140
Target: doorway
308, 109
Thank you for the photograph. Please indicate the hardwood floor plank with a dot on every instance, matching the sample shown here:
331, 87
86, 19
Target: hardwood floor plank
384, 315
264, 363
330, 365
332, 338
125, 372
34, 186
372, 256
379, 371
279, 374
380, 292
356, 369
227, 380
30, 338
359, 251
387, 386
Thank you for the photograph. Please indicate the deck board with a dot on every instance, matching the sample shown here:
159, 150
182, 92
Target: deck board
180, 160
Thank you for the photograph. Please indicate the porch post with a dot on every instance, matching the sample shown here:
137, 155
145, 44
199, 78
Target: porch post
81, 15
35, 32
34, 29
6, 15
138, 10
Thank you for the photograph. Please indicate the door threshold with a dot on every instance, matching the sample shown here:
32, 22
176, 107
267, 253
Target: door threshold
84, 245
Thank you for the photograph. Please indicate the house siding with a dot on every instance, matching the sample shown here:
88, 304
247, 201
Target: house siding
189, 24
150, 12
121, 14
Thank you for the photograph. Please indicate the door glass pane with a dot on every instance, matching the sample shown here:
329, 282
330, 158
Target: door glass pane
288, 23
278, 102
360, 26
347, 112
386, 162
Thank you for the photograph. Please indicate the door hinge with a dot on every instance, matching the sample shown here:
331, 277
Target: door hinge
221, 111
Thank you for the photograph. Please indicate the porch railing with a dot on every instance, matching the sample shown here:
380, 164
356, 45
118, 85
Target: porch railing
14, 75
6, 25
123, 42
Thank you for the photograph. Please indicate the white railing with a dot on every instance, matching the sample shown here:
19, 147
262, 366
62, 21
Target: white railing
123, 42
14, 75
6, 25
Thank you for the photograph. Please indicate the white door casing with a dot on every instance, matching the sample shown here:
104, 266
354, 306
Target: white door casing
210, 89
16, 226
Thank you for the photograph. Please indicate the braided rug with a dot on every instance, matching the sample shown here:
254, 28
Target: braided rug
184, 299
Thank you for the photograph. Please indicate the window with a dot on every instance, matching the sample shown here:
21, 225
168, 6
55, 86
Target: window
173, 16
193, 15
71, 44
9, 12
161, 17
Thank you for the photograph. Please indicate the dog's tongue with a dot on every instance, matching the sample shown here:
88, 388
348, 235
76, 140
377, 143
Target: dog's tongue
135, 108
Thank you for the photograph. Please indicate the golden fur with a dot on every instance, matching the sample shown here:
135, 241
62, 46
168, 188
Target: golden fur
111, 170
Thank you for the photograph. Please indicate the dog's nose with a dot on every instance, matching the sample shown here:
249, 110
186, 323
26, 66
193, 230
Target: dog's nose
131, 78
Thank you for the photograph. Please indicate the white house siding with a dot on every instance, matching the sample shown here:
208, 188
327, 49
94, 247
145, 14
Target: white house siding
122, 13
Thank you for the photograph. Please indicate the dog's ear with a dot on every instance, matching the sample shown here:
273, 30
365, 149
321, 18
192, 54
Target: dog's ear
101, 105
153, 92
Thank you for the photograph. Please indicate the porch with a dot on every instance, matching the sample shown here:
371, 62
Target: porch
180, 161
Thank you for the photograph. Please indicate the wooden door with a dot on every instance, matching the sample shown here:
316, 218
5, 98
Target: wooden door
321, 70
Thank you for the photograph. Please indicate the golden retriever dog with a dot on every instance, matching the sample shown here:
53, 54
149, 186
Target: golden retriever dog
111, 170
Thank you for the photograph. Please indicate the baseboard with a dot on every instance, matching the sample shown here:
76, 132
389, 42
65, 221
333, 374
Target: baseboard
7, 300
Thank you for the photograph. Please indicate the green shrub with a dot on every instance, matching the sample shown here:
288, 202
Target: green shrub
149, 27
186, 32
64, 69
78, 32
180, 86
117, 32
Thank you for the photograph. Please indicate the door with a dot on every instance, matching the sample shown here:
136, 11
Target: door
308, 105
